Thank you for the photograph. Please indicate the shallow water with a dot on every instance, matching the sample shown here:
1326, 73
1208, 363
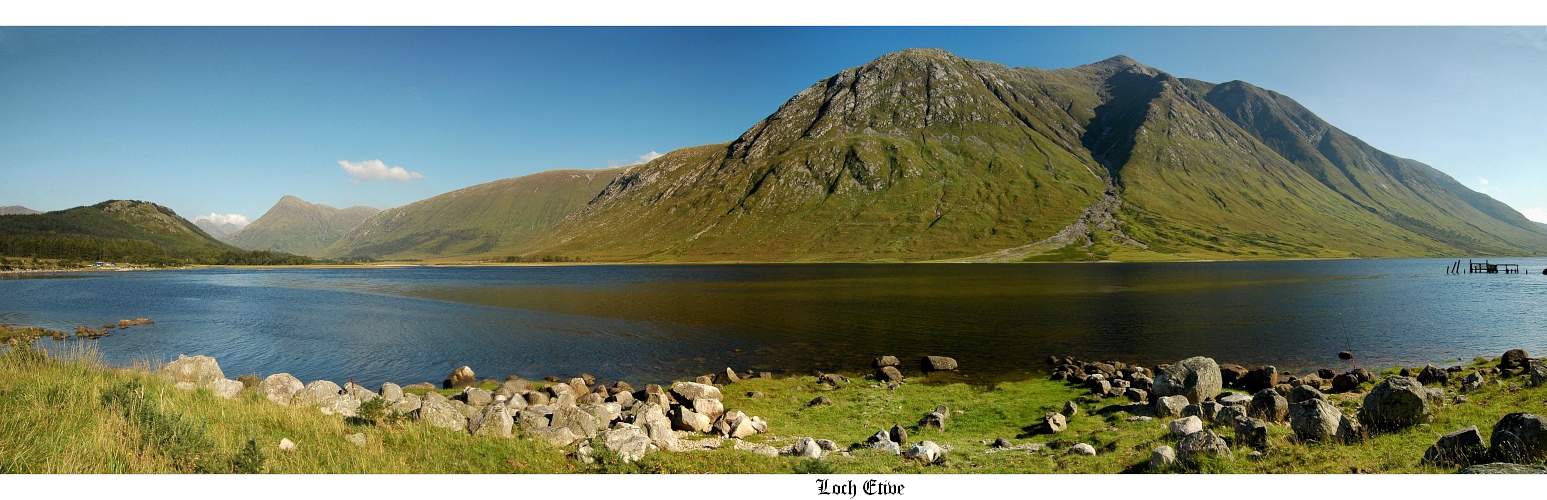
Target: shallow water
655, 323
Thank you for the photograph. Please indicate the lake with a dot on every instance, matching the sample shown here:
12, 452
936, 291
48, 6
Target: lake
652, 323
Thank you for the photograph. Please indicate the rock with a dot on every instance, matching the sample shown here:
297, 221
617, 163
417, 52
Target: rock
1197, 378
1460, 447
494, 421
361, 394
1235, 399
1183, 426
225, 388
1161, 458
833, 379
1055, 422
280, 387
1303, 393
556, 436
627, 398
1099, 388
556, 391
1345, 382
1230, 415
1082, 449
934, 420
1315, 421
474, 396
460, 378
711, 408
1519, 438
406, 404
1231, 374
1251, 432
199, 370
285, 444
1326, 373
1070, 409
465, 409
1269, 406
1194, 447
437, 411
1002, 443
936, 364
1396, 403
1433, 375
882, 440
578, 421
688, 391
889, 374
898, 435
1170, 406
1261, 378
358, 439
537, 398
1135, 395
1472, 382
316, 393
1350, 431
807, 448
629, 442
391, 392
534, 417
885, 361
726, 377
652, 419
1538, 375
928, 451
422, 386
820, 401
1362, 374
1504, 468
685, 419
760, 449
1513, 358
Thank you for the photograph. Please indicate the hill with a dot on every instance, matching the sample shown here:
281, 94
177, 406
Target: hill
296, 226
129, 231
473, 220
922, 155
17, 210
218, 231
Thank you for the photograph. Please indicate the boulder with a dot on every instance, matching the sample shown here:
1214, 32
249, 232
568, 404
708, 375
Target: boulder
820, 401
578, 421
421, 386
1519, 438
198, 370
1512, 359
537, 398
833, 379
459, 378
1135, 395
1396, 403
1268, 406
391, 392
1231, 374
685, 419
1326, 373
465, 409
556, 436
1170, 406
1055, 422
726, 377
1315, 421
652, 419
882, 440
899, 434
711, 408
1100, 388
354, 390
1362, 374
225, 388
808, 448
280, 387
885, 361
437, 411
1433, 375
1472, 382
1459, 448
1231, 415
534, 417
927, 451
494, 421
556, 391
1183, 426
629, 442
1194, 447
1345, 382
1303, 393
688, 391
1504, 468
474, 396
316, 393
1235, 399
1082, 449
1162, 458
1197, 378
936, 364
1251, 432
1070, 409
889, 374
1350, 431
406, 404
622, 398
935, 420
1538, 375
1260, 378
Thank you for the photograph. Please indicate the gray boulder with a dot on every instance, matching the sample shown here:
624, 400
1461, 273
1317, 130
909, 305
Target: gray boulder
807, 447
1055, 422
225, 388
1197, 378
1513, 358
556, 436
437, 411
937, 364
1345, 382
1170, 406
630, 443
198, 370
1504, 468
459, 378
711, 408
1263, 377
406, 404
688, 391
1350, 431
465, 409
474, 396
651, 418
1184, 426
1460, 447
1070, 409
885, 361
1267, 405
899, 434
927, 451
1396, 403
494, 421
1194, 447
685, 419
1472, 382
354, 390
1433, 375
1519, 438
280, 387
1315, 421
581, 423
1230, 415
1251, 432
391, 392
934, 420
1235, 399
1082, 449
888, 374
533, 417
1162, 458
1303, 393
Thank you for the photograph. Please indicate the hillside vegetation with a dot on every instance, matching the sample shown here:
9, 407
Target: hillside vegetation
121, 231
296, 226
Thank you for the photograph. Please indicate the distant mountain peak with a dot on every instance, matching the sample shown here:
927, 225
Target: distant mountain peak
17, 210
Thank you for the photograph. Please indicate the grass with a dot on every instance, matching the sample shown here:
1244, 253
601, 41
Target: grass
64, 412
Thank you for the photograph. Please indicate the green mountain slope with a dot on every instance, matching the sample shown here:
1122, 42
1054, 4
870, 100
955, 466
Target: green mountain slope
296, 226
473, 220
121, 231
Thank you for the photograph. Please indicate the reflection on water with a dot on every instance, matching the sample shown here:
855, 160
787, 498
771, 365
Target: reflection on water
651, 323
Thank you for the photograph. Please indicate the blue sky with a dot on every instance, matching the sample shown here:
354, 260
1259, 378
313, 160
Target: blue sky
228, 120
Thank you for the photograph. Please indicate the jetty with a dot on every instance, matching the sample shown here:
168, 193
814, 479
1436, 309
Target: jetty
1484, 267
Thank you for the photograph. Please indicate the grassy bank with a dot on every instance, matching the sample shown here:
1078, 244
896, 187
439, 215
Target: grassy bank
65, 412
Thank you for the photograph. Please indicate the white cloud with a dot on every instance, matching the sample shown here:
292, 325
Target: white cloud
375, 170
644, 158
238, 220
1482, 181
1537, 214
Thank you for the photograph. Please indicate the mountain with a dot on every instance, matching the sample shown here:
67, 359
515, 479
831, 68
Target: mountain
476, 219
17, 210
922, 155
219, 231
136, 231
296, 226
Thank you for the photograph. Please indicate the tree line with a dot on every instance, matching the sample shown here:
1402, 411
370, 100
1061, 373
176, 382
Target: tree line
87, 249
